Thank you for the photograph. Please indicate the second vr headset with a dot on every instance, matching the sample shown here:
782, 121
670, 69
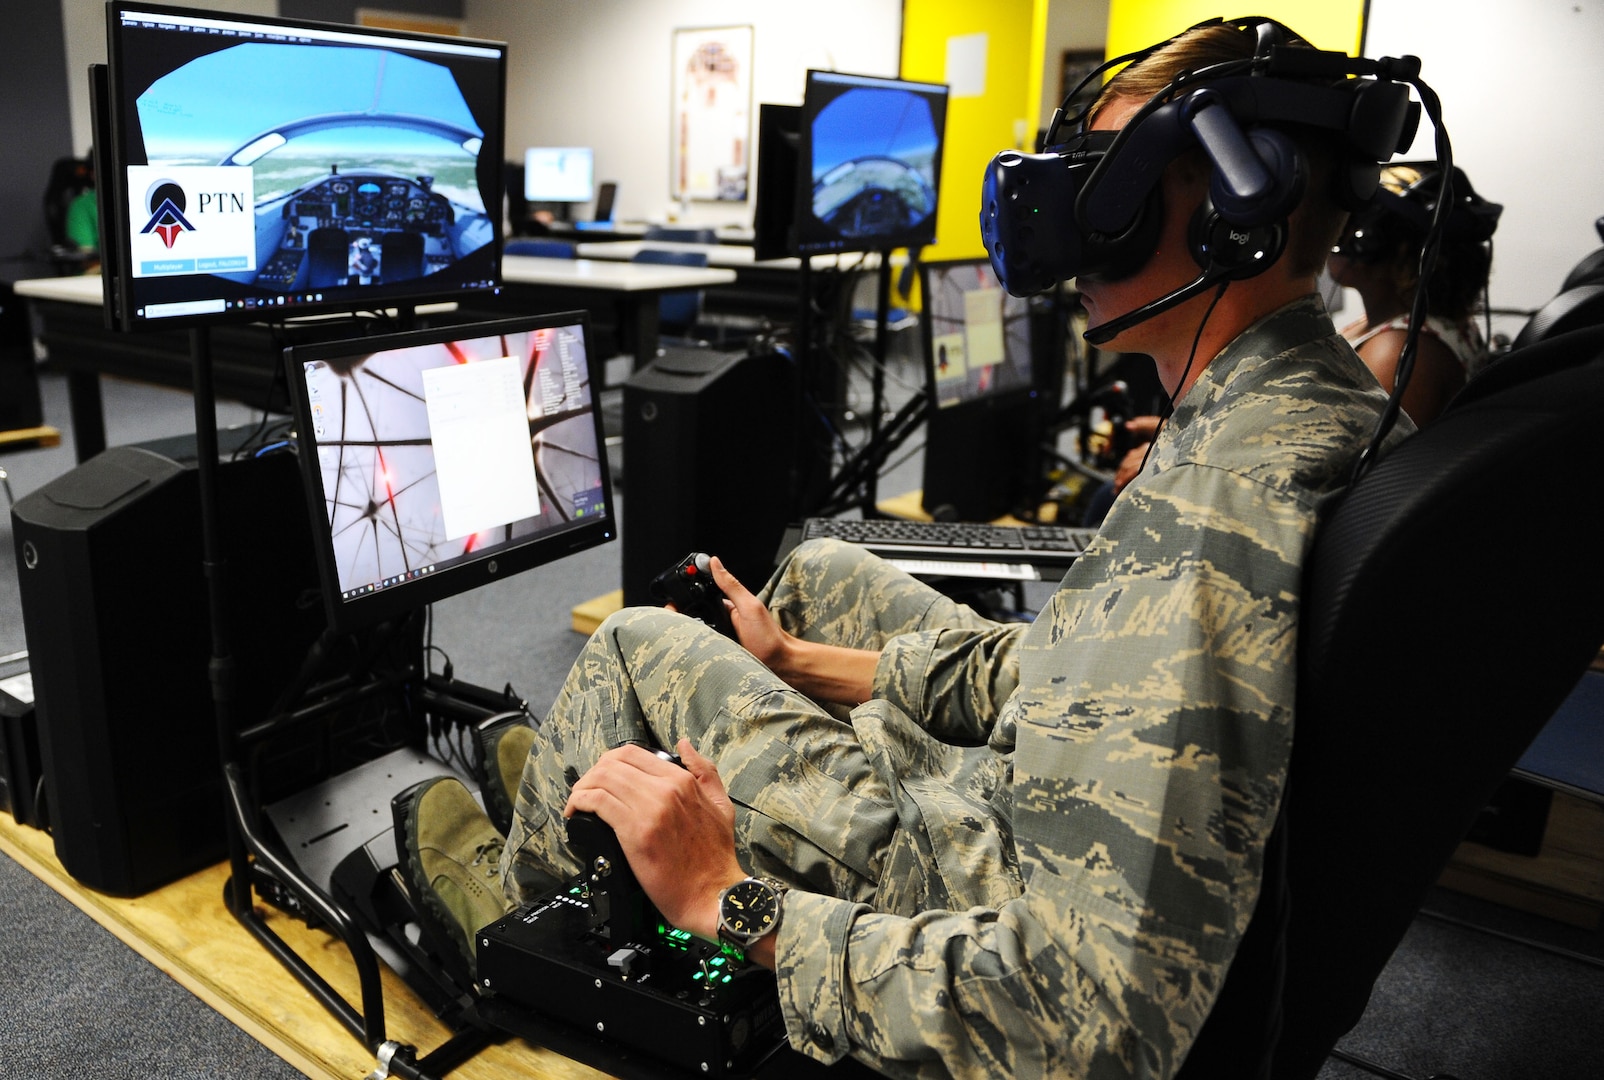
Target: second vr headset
1089, 207
1403, 215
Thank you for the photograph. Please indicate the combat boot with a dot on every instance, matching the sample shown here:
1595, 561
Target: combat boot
450, 855
504, 743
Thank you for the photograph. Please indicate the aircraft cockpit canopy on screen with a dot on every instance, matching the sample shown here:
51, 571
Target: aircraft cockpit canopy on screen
870, 163
269, 165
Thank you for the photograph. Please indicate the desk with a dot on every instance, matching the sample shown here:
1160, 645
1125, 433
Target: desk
733, 256
638, 230
247, 358
767, 288
534, 283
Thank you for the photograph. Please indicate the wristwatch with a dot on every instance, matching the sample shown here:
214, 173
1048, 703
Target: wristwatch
749, 910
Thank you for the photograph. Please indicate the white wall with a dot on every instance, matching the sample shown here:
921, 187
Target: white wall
1071, 24
1521, 82
85, 24
596, 73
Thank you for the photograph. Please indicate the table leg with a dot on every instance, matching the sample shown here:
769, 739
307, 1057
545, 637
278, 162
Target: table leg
642, 322
88, 419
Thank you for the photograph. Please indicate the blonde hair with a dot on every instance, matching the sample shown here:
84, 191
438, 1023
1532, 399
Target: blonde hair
1316, 223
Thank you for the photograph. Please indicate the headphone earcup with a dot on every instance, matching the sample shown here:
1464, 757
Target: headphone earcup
1230, 251
1288, 177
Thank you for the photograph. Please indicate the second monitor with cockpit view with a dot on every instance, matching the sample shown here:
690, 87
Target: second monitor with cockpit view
869, 163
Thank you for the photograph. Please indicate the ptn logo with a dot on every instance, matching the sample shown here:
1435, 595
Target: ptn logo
166, 202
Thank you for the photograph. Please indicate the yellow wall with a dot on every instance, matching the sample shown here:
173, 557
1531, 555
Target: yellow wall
1327, 24
1002, 117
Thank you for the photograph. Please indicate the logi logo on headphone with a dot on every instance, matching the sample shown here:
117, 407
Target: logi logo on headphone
166, 202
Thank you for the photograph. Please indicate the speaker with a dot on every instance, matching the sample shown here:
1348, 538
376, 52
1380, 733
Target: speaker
709, 453
116, 613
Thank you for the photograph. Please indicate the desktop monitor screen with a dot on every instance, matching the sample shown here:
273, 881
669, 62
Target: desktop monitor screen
870, 163
559, 174
982, 457
262, 165
977, 335
440, 460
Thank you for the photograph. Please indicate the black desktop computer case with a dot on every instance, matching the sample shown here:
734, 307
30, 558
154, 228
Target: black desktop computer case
116, 615
709, 459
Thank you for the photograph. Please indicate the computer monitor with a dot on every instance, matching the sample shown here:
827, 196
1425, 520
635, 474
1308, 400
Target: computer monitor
870, 163
266, 166
982, 458
977, 335
440, 460
779, 135
559, 174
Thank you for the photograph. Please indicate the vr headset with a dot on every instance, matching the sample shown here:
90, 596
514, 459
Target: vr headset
1090, 206
1395, 217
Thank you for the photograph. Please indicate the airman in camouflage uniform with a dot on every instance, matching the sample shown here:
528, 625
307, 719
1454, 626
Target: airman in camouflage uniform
1013, 851
1032, 852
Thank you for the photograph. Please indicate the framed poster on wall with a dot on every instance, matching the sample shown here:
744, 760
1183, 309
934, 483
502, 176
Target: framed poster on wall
712, 114
1075, 66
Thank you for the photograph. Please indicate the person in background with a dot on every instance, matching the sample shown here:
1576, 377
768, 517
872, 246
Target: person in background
1379, 257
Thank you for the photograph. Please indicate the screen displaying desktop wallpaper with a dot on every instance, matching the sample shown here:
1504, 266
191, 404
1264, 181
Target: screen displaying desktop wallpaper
433, 454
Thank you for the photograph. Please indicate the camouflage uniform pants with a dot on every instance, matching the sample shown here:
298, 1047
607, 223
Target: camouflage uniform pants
833, 804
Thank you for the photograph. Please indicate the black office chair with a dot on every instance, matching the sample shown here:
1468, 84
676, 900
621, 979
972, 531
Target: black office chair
683, 236
1590, 271
541, 248
678, 312
69, 178
1431, 654
1576, 307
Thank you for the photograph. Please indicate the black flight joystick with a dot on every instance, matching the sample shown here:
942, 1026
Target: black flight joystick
689, 586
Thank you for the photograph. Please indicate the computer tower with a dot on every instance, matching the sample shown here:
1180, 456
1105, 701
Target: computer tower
116, 613
709, 452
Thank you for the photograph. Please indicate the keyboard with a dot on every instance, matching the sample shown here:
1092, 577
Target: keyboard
973, 549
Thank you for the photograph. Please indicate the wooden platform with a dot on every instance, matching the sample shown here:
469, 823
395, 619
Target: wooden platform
29, 438
1563, 881
187, 932
586, 617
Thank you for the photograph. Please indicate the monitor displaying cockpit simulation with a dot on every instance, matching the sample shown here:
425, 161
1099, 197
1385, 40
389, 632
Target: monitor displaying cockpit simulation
265, 167
439, 460
870, 163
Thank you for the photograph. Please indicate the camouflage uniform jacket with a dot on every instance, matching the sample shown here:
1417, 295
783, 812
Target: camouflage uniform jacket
1143, 725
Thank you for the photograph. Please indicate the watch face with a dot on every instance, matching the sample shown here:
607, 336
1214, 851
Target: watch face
750, 909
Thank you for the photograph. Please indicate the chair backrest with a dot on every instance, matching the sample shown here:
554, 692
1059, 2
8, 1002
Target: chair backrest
606, 195
1576, 307
1590, 271
1438, 636
543, 248
69, 178
678, 311
687, 236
